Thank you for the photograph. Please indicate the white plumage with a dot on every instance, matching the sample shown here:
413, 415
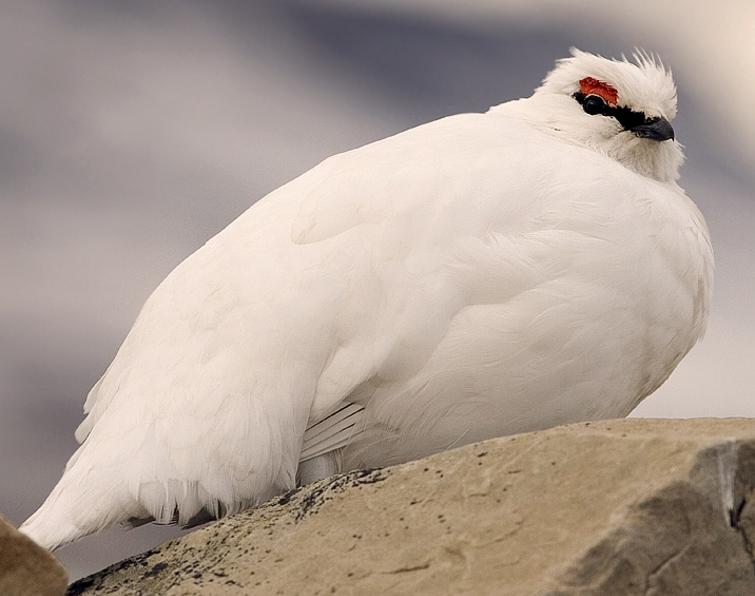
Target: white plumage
480, 275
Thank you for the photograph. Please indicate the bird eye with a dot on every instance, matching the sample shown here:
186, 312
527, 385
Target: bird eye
594, 104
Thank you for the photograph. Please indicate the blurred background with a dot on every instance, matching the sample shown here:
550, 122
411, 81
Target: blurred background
132, 131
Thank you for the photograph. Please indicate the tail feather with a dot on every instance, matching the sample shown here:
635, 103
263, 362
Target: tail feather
334, 431
79, 505
88, 499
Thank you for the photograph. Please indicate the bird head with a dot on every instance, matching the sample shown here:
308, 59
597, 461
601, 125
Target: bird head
620, 108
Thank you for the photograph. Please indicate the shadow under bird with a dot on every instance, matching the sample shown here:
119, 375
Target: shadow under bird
480, 275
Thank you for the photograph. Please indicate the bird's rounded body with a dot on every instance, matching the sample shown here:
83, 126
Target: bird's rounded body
469, 278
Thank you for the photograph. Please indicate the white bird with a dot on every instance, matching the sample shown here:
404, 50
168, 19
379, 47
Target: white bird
476, 276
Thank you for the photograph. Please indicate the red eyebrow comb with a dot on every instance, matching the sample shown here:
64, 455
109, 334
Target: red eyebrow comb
590, 86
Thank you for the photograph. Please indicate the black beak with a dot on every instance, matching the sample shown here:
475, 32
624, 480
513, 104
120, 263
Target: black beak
658, 129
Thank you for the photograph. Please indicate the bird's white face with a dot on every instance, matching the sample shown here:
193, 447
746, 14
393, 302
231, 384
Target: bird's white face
619, 108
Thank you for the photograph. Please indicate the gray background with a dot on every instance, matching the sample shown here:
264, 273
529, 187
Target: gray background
130, 132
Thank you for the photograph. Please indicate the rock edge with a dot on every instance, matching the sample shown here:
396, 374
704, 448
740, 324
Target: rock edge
621, 507
27, 569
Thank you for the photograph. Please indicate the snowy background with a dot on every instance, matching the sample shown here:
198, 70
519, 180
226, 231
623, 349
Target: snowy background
130, 132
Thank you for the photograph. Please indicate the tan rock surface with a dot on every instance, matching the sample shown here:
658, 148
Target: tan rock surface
617, 507
27, 569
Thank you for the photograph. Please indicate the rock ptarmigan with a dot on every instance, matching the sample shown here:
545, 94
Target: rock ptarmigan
479, 275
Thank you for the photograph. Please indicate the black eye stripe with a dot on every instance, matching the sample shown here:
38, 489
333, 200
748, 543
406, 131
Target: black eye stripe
626, 117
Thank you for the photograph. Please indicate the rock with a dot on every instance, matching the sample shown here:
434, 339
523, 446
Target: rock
26, 568
618, 507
